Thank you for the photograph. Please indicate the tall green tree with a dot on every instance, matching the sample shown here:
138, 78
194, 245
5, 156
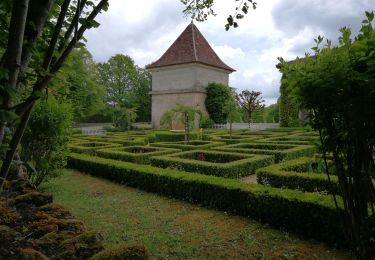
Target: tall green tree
141, 97
119, 77
337, 86
77, 83
40, 36
217, 96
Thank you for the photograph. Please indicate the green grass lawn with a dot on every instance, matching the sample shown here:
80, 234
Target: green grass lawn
172, 229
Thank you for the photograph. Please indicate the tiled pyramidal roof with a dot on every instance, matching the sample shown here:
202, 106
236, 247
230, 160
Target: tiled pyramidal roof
190, 47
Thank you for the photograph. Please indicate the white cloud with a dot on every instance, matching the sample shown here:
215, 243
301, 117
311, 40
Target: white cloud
228, 52
144, 30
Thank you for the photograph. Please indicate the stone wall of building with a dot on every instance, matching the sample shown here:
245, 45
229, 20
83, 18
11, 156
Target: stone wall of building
182, 84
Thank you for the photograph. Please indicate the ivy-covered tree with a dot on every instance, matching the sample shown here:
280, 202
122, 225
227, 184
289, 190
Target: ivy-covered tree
337, 87
217, 96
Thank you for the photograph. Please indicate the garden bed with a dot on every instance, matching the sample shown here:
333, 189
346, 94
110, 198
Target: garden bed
223, 164
136, 154
193, 144
279, 151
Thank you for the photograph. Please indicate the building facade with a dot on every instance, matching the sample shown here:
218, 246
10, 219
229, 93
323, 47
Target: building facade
183, 72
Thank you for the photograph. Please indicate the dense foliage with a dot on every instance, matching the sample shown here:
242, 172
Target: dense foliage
217, 96
309, 214
36, 39
126, 85
337, 87
187, 115
44, 144
77, 82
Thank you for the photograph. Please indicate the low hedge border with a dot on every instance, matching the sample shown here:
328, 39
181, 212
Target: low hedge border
284, 140
89, 147
118, 140
284, 175
277, 150
308, 214
174, 137
292, 175
236, 139
235, 169
192, 145
119, 153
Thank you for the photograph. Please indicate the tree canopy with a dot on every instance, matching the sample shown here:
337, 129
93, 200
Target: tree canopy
337, 87
217, 96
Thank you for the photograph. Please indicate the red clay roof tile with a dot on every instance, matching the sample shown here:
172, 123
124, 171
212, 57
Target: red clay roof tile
190, 47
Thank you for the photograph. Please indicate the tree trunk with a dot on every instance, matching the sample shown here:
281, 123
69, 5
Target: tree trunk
14, 144
186, 138
13, 53
230, 130
36, 19
249, 120
2, 132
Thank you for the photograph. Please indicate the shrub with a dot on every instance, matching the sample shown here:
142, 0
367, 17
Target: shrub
206, 122
194, 144
229, 165
44, 144
136, 154
174, 137
279, 151
217, 96
308, 214
295, 174
90, 147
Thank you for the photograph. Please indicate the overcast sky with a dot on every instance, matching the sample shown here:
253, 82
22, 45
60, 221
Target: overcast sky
144, 29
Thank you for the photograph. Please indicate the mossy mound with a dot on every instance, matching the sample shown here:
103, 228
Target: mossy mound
34, 228
124, 252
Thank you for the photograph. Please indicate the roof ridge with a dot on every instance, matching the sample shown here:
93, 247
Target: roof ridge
190, 47
194, 47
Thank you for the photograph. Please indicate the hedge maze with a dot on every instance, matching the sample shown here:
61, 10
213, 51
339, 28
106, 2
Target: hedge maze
292, 189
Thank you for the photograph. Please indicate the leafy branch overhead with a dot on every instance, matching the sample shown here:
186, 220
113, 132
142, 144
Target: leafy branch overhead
36, 39
199, 10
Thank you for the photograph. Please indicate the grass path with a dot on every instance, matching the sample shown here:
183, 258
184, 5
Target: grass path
172, 229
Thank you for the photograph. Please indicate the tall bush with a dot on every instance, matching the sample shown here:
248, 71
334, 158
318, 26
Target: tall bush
337, 86
217, 96
44, 144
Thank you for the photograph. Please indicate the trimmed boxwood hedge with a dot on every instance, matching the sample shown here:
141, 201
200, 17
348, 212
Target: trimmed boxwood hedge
174, 137
89, 147
192, 145
293, 175
309, 214
236, 138
123, 153
242, 164
279, 151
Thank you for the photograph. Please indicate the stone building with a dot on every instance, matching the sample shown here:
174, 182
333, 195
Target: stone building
183, 72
